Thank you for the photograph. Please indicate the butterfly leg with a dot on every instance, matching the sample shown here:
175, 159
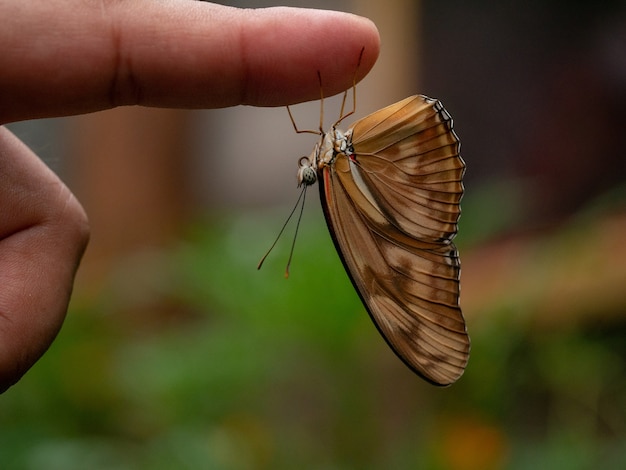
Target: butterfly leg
311, 131
342, 116
295, 126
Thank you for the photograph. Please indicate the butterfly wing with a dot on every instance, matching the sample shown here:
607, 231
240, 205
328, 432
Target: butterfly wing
392, 210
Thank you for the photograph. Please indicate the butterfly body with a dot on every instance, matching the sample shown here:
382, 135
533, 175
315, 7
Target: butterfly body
390, 188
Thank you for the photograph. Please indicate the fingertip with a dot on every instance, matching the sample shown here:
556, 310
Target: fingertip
308, 42
370, 40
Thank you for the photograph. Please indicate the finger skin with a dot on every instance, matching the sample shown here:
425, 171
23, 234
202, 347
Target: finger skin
92, 55
43, 233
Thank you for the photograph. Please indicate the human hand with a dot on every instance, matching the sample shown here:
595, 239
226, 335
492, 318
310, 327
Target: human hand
65, 57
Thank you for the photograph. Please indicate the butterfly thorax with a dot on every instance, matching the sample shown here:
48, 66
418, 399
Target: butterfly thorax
332, 144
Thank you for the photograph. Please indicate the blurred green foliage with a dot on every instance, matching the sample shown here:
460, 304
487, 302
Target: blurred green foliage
191, 358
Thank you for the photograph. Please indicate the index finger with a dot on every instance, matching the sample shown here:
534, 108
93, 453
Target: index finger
63, 57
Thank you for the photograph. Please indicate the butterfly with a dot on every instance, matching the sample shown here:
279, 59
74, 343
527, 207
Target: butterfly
390, 188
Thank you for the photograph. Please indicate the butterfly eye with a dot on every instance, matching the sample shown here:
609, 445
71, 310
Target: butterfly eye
306, 173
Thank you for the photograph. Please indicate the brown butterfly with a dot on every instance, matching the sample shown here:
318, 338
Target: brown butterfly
390, 187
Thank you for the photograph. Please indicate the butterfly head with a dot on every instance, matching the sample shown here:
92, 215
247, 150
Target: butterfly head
306, 170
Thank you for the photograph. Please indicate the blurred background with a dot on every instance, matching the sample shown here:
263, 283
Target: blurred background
177, 353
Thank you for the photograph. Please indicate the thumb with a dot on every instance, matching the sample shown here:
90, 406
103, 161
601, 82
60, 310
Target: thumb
43, 233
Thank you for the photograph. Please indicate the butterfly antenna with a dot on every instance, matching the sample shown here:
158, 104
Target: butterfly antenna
295, 235
283, 229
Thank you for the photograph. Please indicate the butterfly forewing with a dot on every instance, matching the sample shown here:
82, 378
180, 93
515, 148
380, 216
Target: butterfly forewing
392, 207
